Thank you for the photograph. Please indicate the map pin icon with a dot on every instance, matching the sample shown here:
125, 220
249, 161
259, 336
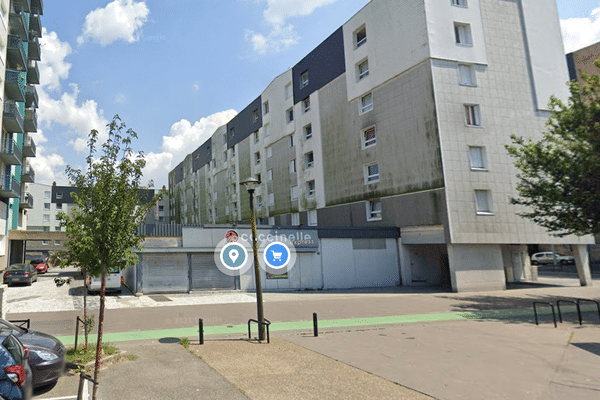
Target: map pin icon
234, 254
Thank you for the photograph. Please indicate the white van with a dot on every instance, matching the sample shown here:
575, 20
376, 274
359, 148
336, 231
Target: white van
114, 280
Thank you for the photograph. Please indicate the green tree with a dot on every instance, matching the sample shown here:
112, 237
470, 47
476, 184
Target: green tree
103, 232
559, 179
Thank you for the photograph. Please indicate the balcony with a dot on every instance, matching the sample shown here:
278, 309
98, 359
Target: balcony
35, 25
30, 124
35, 51
37, 7
18, 24
26, 201
12, 120
14, 86
10, 152
10, 188
28, 175
15, 53
29, 149
23, 4
31, 97
33, 73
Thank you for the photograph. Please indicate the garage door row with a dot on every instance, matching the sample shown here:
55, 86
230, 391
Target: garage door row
179, 273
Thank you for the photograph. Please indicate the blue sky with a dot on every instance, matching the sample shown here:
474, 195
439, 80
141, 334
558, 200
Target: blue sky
175, 70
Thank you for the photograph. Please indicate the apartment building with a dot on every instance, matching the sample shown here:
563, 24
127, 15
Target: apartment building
398, 119
20, 30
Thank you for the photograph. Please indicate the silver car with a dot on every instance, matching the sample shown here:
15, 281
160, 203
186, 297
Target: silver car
549, 257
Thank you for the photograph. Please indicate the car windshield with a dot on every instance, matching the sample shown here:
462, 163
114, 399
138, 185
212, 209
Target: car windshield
18, 267
6, 326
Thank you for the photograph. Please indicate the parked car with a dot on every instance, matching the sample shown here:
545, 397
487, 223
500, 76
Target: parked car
46, 353
36, 261
114, 280
548, 258
20, 273
15, 374
41, 268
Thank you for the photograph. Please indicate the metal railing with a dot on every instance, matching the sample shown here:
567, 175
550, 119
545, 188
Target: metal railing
267, 323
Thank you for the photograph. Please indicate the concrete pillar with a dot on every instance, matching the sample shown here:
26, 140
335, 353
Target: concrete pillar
582, 262
405, 265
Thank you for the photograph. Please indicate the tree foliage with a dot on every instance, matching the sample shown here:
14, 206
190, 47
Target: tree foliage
103, 230
559, 179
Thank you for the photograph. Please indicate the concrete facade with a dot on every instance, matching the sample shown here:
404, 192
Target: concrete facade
403, 126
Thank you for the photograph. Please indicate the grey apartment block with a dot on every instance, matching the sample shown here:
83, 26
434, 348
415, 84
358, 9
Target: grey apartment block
399, 119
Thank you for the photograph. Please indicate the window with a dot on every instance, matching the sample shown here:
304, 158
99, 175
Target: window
269, 175
462, 34
45, 242
59, 195
368, 137
46, 218
232, 132
472, 117
308, 131
361, 36
303, 79
295, 219
373, 210
312, 217
46, 206
292, 166
288, 91
366, 103
310, 188
57, 242
265, 107
306, 104
259, 202
289, 115
466, 74
363, 69
46, 195
271, 220
269, 152
255, 115
372, 173
291, 140
309, 160
462, 3
483, 201
477, 157
266, 129
257, 158
271, 199
294, 192
256, 137
258, 177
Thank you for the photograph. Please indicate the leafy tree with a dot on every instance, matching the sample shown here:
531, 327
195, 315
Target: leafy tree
559, 179
103, 231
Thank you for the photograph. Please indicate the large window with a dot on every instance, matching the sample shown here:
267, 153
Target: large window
477, 158
304, 79
366, 103
483, 201
257, 158
309, 160
369, 137
288, 91
462, 34
373, 210
289, 115
372, 173
292, 166
461, 3
363, 69
310, 189
472, 115
306, 104
466, 74
308, 131
360, 36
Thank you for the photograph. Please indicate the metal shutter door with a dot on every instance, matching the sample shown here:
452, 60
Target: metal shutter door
206, 275
165, 273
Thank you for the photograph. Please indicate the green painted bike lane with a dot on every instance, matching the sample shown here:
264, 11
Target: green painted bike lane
514, 314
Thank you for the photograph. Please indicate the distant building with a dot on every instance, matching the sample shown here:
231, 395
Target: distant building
582, 60
398, 119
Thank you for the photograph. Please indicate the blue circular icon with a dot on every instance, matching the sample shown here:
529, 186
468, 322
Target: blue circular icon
276, 255
233, 255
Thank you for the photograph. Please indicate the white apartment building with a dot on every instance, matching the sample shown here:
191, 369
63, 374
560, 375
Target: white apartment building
399, 119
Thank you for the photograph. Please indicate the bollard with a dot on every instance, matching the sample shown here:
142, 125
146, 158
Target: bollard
201, 330
76, 331
315, 325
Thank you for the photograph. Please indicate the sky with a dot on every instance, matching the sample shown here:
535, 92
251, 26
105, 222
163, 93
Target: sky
175, 70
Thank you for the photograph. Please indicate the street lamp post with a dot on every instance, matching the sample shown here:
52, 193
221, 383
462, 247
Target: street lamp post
251, 184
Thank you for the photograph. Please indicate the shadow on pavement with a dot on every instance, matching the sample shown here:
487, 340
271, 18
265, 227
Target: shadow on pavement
593, 348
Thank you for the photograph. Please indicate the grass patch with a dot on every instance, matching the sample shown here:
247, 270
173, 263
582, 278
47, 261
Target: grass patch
185, 342
131, 357
83, 356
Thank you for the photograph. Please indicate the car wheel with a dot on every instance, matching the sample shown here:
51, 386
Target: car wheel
563, 262
30, 282
534, 262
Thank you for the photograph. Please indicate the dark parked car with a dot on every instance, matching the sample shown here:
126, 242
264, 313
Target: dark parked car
20, 273
15, 373
46, 353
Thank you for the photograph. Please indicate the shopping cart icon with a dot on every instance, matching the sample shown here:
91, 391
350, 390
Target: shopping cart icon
277, 255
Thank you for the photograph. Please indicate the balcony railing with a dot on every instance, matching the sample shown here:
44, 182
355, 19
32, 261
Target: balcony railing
33, 73
24, 4
37, 7
28, 175
15, 53
10, 152
35, 25
30, 120
14, 85
12, 119
18, 24
29, 149
26, 201
31, 97
10, 188
34, 47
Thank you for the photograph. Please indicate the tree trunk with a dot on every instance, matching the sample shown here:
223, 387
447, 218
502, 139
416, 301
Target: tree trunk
85, 320
100, 326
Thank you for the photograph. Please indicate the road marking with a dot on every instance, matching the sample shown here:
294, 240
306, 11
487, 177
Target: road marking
62, 398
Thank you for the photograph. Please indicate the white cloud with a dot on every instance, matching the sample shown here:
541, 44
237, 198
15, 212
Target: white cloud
282, 36
48, 168
581, 32
53, 68
119, 20
183, 139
